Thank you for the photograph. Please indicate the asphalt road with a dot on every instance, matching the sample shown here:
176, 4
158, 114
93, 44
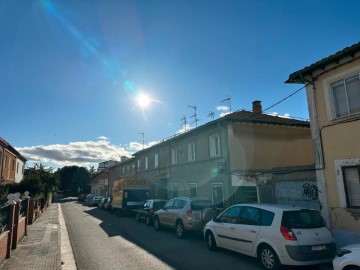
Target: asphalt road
101, 240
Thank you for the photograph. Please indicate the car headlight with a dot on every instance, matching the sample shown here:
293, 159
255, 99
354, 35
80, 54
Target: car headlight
342, 252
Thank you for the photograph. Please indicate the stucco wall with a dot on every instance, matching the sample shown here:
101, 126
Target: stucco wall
263, 147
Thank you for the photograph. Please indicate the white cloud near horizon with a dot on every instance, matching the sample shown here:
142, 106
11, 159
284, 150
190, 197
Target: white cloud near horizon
88, 153
84, 154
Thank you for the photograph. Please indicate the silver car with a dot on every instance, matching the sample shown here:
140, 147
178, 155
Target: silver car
184, 215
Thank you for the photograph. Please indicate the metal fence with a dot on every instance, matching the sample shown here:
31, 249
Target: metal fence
4, 217
22, 208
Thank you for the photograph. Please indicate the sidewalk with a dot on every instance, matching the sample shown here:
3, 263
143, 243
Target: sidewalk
46, 245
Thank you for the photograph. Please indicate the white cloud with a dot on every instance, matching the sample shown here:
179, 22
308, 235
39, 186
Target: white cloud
103, 138
85, 154
136, 146
224, 110
286, 115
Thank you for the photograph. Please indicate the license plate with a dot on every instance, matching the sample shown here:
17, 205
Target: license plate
318, 248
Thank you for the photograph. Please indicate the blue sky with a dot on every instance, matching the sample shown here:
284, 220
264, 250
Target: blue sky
71, 71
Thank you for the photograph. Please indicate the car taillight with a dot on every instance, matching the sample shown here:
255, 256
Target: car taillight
189, 213
287, 233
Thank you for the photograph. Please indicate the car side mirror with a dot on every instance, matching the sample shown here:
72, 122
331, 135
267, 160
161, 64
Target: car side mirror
215, 219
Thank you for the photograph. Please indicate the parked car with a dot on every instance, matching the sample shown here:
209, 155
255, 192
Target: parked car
88, 199
276, 234
184, 214
95, 201
102, 203
347, 258
107, 206
147, 210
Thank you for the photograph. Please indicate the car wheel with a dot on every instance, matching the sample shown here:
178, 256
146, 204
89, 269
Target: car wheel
157, 225
180, 230
137, 217
268, 258
210, 240
148, 221
353, 268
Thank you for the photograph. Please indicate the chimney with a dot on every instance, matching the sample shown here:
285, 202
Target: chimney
257, 106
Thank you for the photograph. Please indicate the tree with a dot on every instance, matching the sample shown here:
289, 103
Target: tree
75, 180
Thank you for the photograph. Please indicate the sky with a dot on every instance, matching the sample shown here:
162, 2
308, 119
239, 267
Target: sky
87, 81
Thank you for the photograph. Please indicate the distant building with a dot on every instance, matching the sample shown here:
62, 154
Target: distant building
106, 164
12, 163
333, 94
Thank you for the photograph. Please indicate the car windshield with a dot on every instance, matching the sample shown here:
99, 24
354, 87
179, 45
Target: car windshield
200, 204
302, 219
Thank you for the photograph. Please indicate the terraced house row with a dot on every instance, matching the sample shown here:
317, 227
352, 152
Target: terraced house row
249, 156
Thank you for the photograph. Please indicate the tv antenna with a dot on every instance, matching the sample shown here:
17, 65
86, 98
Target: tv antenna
183, 119
194, 115
229, 100
211, 114
143, 141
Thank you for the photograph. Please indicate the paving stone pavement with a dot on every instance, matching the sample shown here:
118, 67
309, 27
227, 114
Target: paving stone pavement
40, 249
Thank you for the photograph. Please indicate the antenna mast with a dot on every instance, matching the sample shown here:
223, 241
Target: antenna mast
229, 100
194, 115
211, 114
183, 119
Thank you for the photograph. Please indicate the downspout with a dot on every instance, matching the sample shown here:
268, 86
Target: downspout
228, 167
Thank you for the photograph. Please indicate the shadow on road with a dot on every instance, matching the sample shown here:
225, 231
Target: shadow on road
160, 243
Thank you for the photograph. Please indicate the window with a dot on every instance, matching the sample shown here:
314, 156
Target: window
214, 146
138, 164
133, 169
146, 163
346, 96
352, 185
123, 170
250, 216
217, 195
175, 190
156, 162
192, 190
174, 156
191, 151
17, 167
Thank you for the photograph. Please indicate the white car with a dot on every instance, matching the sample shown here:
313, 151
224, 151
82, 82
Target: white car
275, 234
348, 258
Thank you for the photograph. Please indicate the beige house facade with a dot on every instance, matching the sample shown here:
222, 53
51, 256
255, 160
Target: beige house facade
236, 158
333, 94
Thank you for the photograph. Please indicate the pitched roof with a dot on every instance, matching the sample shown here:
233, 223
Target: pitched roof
260, 118
298, 76
240, 117
12, 149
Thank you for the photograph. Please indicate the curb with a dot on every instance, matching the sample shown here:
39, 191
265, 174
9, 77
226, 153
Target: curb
67, 255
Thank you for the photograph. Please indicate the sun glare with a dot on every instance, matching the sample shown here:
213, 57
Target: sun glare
143, 100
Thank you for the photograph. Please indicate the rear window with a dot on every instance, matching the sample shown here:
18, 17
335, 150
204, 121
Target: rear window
303, 219
200, 204
158, 204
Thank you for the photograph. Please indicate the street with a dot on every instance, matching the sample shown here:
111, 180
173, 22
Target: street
101, 240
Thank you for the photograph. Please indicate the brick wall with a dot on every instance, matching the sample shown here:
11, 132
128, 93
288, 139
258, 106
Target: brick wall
21, 229
3, 245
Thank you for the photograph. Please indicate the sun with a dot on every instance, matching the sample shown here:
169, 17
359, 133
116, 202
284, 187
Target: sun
143, 100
